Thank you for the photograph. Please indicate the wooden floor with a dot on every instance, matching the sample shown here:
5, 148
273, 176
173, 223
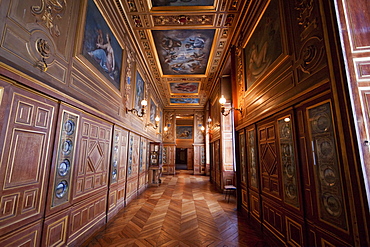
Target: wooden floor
184, 210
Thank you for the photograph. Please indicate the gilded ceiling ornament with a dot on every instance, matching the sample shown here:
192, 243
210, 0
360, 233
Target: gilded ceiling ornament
132, 5
229, 20
48, 11
137, 21
183, 20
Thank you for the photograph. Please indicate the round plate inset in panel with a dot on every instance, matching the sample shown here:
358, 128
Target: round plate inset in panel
63, 167
61, 189
67, 147
69, 127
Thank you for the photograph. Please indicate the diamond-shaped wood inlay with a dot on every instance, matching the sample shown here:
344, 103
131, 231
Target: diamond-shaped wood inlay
95, 156
269, 158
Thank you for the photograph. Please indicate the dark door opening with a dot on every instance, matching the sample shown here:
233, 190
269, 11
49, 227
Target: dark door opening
181, 158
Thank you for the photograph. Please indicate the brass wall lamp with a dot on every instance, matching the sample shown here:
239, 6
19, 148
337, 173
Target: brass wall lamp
222, 101
155, 126
143, 104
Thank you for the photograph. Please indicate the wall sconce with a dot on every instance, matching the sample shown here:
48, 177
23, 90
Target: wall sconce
155, 126
212, 127
222, 101
143, 103
202, 128
165, 128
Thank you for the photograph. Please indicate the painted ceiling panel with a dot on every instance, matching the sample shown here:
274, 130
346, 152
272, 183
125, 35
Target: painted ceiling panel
183, 52
183, 43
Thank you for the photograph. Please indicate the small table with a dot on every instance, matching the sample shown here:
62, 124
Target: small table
155, 173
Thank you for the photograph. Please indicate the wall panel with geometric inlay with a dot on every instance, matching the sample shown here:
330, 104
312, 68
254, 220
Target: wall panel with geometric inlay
29, 122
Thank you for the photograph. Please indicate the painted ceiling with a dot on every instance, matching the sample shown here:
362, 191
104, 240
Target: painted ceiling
183, 43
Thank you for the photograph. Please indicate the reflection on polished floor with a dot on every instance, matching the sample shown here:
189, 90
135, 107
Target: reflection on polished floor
184, 210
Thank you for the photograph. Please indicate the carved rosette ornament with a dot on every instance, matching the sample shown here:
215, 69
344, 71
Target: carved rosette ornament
43, 48
311, 54
48, 11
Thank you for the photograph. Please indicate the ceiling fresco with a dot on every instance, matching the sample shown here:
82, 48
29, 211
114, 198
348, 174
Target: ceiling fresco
183, 43
157, 3
184, 88
183, 52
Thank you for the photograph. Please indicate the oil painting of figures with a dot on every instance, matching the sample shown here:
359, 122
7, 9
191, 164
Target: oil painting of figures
265, 44
100, 46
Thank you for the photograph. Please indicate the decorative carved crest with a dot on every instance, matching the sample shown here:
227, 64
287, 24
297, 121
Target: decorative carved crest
43, 49
48, 11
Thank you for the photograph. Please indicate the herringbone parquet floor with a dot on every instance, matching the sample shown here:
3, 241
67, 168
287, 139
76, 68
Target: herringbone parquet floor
184, 210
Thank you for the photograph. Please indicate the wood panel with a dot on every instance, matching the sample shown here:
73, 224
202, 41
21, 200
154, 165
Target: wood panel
199, 159
93, 157
117, 185
255, 206
63, 165
71, 226
132, 166
327, 205
27, 134
273, 218
168, 155
270, 176
143, 165
29, 235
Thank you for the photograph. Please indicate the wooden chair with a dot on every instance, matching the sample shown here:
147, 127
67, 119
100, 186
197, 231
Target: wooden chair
229, 189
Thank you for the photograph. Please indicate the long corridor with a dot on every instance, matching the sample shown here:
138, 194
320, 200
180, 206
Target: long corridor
184, 210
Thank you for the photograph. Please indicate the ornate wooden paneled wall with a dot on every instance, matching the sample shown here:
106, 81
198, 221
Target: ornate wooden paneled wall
168, 156
74, 175
300, 176
65, 134
28, 122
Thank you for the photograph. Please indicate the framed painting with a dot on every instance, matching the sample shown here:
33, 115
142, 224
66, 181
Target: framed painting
184, 87
99, 45
139, 91
184, 132
186, 101
264, 45
183, 52
153, 111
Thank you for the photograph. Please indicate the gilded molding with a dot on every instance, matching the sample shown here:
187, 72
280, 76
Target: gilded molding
183, 20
